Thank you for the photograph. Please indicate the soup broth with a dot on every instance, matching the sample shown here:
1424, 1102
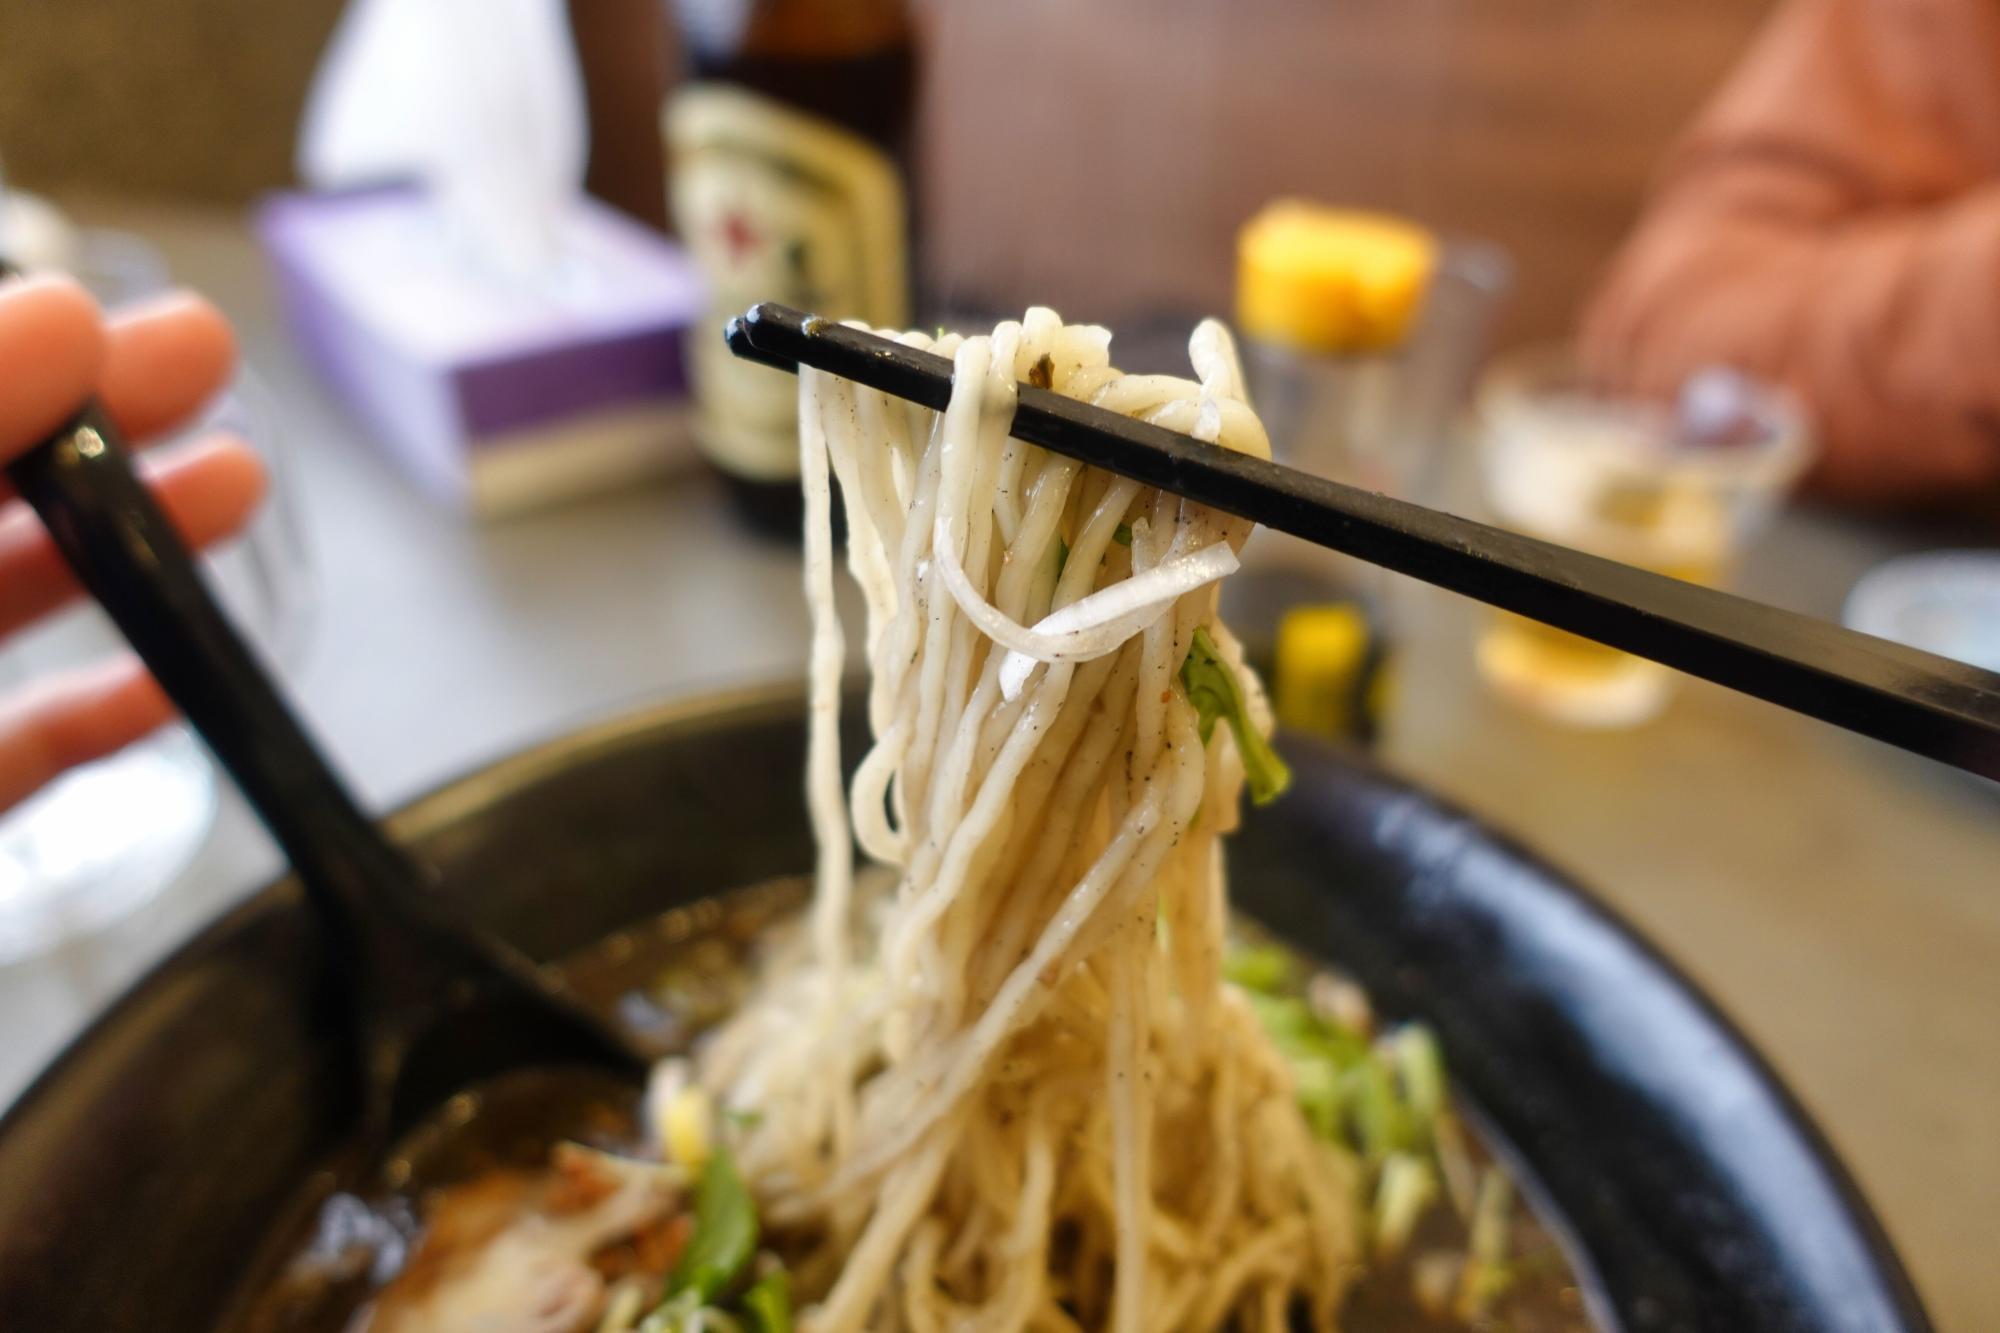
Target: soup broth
666, 981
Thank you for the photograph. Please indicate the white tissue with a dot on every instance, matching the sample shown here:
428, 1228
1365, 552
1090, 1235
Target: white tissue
481, 100
34, 234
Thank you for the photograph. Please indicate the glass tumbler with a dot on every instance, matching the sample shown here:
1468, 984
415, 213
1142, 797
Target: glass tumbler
1672, 484
104, 839
1383, 420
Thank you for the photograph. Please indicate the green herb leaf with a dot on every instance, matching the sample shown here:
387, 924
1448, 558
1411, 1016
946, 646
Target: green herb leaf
1122, 534
1213, 689
725, 1232
769, 1303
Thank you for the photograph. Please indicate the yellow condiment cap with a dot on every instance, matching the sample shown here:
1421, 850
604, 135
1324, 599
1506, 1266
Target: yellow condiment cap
1322, 654
1331, 279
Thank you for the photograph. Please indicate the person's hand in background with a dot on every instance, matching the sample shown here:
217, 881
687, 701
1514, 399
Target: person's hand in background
154, 367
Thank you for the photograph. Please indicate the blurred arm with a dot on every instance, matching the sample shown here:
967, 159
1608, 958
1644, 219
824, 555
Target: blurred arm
1833, 222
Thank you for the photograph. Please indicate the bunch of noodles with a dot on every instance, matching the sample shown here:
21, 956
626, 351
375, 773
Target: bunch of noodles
1014, 1092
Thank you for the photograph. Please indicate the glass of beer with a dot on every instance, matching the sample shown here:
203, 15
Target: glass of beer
1674, 483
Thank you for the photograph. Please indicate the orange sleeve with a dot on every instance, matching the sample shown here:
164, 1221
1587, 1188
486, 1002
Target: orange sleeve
1832, 222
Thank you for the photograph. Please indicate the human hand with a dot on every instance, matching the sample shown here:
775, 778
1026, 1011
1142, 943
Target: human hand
153, 367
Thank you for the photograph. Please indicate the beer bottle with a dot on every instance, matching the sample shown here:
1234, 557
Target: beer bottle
787, 149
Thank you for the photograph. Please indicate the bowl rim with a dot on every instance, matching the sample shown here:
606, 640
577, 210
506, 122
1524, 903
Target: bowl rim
609, 730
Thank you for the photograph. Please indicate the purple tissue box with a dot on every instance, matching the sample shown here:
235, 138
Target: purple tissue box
496, 394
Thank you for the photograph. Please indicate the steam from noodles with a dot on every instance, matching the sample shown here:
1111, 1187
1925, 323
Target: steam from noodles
1014, 1093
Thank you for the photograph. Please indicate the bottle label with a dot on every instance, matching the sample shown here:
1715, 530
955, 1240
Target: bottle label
777, 205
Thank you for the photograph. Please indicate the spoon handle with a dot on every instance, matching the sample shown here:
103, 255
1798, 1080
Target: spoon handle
126, 553
403, 963
435, 1006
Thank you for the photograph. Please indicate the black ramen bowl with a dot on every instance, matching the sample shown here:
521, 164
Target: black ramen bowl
150, 1162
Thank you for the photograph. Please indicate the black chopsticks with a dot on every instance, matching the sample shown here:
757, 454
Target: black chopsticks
1915, 700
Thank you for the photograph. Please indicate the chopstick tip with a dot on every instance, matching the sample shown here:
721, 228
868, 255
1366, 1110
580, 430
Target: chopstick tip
740, 335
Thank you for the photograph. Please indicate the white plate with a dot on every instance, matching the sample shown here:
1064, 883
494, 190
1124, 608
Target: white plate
1946, 602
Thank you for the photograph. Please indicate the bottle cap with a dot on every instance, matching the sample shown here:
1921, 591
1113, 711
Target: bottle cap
1329, 279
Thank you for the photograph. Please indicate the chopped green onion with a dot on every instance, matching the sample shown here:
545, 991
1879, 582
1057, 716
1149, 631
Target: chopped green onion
725, 1232
1381, 1122
1420, 1068
1062, 555
622, 1306
1316, 1084
1265, 968
1455, 1164
1406, 1189
1213, 689
672, 1314
1299, 1034
1286, 1019
1487, 1274
1122, 534
769, 1303
1487, 1237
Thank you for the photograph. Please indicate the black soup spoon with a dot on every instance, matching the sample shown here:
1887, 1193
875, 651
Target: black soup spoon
436, 1006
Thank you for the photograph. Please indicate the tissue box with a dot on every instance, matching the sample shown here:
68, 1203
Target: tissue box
497, 394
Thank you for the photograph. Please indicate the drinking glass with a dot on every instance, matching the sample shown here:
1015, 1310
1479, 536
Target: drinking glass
1382, 420
105, 839
1674, 484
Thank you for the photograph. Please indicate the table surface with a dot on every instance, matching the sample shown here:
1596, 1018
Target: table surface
1840, 900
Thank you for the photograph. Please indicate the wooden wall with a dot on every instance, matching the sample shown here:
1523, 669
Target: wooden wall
1099, 156
1094, 154
200, 99
191, 98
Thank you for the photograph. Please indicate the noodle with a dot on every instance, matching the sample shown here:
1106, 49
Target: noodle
1013, 1093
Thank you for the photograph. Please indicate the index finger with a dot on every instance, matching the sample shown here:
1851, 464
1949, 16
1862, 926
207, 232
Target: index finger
52, 350
166, 358
153, 367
